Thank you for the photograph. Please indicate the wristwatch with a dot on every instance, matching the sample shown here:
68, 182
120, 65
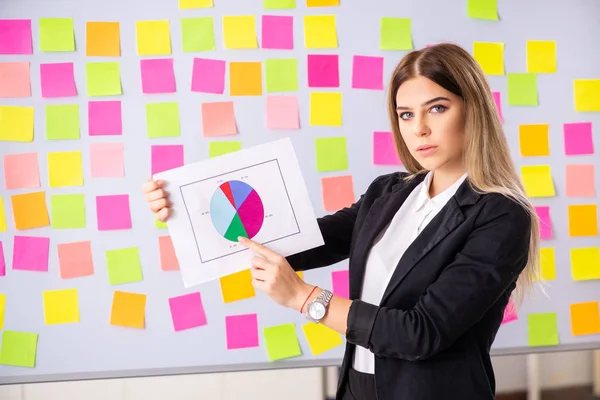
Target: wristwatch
316, 309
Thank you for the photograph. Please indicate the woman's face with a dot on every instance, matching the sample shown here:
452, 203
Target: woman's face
432, 123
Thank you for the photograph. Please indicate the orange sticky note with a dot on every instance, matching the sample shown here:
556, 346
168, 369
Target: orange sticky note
338, 192
583, 220
168, 259
533, 140
103, 39
585, 263
75, 259
128, 310
30, 210
585, 318
14, 79
218, 119
237, 286
245, 79
580, 180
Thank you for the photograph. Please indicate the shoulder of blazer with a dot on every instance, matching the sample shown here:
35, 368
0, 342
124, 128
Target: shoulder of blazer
497, 205
388, 183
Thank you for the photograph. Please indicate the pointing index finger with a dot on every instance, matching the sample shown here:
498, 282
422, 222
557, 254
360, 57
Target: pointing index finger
257, 247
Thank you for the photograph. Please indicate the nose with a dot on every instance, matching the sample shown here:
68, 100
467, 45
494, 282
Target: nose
420, 127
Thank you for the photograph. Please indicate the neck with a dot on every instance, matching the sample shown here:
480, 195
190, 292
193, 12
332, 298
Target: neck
443, 179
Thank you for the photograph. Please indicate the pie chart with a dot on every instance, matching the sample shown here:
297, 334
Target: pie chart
236, 209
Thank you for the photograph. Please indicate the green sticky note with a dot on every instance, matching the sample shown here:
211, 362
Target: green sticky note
103, 78
482, 9
162, 119
18, 349
56, 34
278, 4
542, 329
124, 265
522, 89
282, 74
197, 34
62, 122
160, 225
282, 342
68, 211
331, 154
395, 34
218, 148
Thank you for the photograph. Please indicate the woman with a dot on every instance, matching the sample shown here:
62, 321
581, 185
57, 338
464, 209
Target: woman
434, 254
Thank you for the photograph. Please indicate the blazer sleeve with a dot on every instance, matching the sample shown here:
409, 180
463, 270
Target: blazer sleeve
491, 260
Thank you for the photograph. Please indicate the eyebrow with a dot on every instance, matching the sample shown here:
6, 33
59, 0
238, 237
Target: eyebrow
426, 103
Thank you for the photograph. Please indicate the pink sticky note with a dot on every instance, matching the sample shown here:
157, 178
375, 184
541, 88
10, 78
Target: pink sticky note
165, 157
168, 258
277, 32
367, 72
14, 79
2, 262
338, 192
30, 253
218, 119
323, 70
112, 212
543, 213
158, 75
104, 118
510, 313
498, 101
58, 80
15, 36
242, 331
282, 112
340, 283
578, 138
21, 171
208, 76
384, 149
580, 180
106, 160
75, 259
187, 311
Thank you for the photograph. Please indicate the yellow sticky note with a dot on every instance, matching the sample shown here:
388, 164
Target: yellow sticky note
320, 32
533, 140
583, 220
153, 37
585, 318
537, 180
547, 264
586, 94
64, 168
326, 109
541, 56
61, 306
128, 310
299, 273
186, 4
2, 216
585, 263
490, 57
2, 306
322, 3
239, 32
237, 286
321, 338
16, 123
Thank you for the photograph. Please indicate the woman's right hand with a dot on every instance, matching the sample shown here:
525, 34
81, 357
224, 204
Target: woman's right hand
157, 198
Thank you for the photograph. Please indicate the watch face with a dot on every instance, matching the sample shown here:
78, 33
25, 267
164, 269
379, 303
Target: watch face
316, 311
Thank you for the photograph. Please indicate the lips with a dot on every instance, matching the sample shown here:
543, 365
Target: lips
425, 147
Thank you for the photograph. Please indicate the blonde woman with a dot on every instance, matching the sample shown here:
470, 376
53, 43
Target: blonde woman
434, 253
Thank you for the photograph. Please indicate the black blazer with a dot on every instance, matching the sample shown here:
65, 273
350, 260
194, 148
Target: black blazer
433, 330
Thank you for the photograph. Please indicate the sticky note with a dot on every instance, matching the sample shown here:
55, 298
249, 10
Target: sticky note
482, 9
153, 37
208, 76
340, 282
578, 138
490, 57
103, 78
498, 101
321, 338
522, 89
585, 263
323, 70
245, 79
162, 119
237, 286
510, 313
165, 157
331, 154
281, 75
367, 72
219, 148
278, 4
65, 169
15, 36
277, 32
537, 180
102, 39
2, 265
168, 258
541, 56
14, 79
282, 112
242, 331
30, 253
585, 318
547, 264
218, 119
68, 211
58, 80
395, 34
185, 4
580, 180
320, 32
2, 216
187, 311
18, 349
158, 75
106, 160
62, 121
56, 34
586, 95
239, 32
322, 3
75, 259
542, 329
16, 123
543, 213
2, 297
384, 149
30, 210
124, 265
21, 171
61, 306
197, 34
533, 140
281, 342
160, 225
104, 118
128, 310
112, 212
326, 109
583, 220
338, 192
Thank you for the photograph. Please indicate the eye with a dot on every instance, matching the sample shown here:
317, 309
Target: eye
405, 115
438, 108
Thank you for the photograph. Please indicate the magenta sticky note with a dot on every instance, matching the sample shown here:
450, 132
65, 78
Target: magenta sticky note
58, 80
282, 112
104, 118
367, 72
112, 212
498, 101
384, 149
2, 262
510, 313
578, 138
340, 283
208, 76
187, 311
543, 213
30, 253
158, 75
106, 160
242, 331
277, 32
165, 157
15, 36
323, 70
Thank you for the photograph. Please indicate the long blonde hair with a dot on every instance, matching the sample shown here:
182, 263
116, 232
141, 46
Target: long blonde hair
487, 156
